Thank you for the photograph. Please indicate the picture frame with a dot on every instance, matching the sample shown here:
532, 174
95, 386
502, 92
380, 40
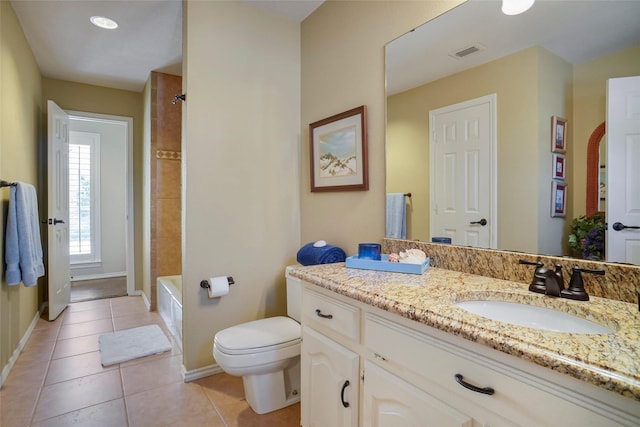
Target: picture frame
338, 152
559, 166
558, 199
558, 134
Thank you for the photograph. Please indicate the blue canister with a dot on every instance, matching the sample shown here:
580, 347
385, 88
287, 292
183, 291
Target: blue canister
369, 251
441, 240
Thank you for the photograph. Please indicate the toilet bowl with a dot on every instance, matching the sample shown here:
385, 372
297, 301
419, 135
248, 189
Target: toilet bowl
266, 354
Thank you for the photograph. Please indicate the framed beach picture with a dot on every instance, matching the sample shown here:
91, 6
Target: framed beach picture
558, 134
559, 166
558, 198
338, 151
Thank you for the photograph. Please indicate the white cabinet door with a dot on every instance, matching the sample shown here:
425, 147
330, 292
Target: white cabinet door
390, 402
329, 382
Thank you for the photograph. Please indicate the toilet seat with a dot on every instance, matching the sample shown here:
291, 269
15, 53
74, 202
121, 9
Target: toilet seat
259, 336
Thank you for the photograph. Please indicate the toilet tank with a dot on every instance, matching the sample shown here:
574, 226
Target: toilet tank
294, 295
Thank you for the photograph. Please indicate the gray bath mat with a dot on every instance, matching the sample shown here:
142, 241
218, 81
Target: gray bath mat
120, 346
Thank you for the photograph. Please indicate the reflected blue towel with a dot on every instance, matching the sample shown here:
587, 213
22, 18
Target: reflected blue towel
310, 255
23, 245
396, 224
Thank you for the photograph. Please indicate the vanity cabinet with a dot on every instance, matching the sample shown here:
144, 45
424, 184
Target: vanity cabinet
389, 401
392, 371
330, 371
329, 382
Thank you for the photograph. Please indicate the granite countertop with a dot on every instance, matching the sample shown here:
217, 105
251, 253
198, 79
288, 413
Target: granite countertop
610, 361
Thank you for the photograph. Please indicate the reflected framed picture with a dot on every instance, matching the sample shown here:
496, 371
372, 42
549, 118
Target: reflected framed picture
558, 134
338, 151
558, 198
558, 166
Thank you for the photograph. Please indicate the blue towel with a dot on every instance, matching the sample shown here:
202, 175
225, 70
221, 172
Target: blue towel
396, 223
310, 255
23, 247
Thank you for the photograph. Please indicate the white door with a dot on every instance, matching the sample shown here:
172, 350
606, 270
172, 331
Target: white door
58, 209
329, 382
463, 172
390, 401
623, 160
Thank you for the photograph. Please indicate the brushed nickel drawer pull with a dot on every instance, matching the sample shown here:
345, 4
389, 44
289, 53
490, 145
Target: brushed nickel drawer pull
484, 390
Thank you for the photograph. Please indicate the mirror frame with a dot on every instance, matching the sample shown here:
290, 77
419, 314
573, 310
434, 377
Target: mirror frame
593, 169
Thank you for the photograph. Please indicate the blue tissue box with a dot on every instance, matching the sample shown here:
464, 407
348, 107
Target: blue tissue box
384, 265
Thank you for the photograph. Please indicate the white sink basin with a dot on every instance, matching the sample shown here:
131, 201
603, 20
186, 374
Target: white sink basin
532, 316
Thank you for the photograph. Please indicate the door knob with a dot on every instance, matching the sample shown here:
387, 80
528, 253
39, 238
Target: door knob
55, 221
618, 226
482, 222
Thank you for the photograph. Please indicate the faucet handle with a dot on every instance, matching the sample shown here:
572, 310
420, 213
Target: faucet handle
576, 289
559, 277
537, 283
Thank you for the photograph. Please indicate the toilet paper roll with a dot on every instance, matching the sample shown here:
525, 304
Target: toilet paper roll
218, 286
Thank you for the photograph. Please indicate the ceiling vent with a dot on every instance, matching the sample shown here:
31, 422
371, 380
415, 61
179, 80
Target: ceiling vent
466, 51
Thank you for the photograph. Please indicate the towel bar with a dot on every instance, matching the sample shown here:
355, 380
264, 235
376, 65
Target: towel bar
4, 183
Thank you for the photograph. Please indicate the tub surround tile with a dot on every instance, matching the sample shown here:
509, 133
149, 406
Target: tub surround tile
609, 361
168, 220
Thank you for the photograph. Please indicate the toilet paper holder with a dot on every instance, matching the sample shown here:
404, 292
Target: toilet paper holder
204, 284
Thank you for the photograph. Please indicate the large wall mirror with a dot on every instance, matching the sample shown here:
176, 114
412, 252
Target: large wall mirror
551, 61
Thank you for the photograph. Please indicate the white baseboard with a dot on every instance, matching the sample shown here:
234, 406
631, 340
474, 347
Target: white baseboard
98, 276
196, 374
6, 370
147, 303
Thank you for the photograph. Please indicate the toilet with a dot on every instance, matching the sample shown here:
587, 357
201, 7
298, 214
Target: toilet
266, 354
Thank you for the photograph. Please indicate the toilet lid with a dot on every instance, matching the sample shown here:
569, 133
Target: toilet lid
259, 335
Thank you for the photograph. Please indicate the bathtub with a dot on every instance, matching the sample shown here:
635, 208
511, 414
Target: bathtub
170, 304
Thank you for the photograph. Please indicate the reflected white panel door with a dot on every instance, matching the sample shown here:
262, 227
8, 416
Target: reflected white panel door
623, 176
58, 210
463, 172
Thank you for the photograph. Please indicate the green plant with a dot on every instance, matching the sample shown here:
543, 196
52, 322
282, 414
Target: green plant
587, 236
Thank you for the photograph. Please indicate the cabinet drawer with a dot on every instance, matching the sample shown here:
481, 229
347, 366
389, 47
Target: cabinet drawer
327, 314
436, 363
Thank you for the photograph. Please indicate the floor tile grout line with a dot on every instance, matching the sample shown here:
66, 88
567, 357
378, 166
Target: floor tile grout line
46, 374
124, 397
215, 407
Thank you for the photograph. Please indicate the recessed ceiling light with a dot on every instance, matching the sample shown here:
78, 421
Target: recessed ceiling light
102, 22
516, 7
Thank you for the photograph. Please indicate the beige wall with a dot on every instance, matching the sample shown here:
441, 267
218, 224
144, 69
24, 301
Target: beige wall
590, 95
555, 86
96, 99
240, 167
343, 67
21, 115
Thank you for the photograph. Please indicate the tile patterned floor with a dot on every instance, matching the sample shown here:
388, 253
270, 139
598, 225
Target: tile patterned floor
58, 380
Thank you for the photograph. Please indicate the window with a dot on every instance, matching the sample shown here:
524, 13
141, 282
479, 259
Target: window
84, 197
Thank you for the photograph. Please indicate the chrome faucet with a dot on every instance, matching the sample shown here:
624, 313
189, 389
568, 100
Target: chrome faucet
553, 280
